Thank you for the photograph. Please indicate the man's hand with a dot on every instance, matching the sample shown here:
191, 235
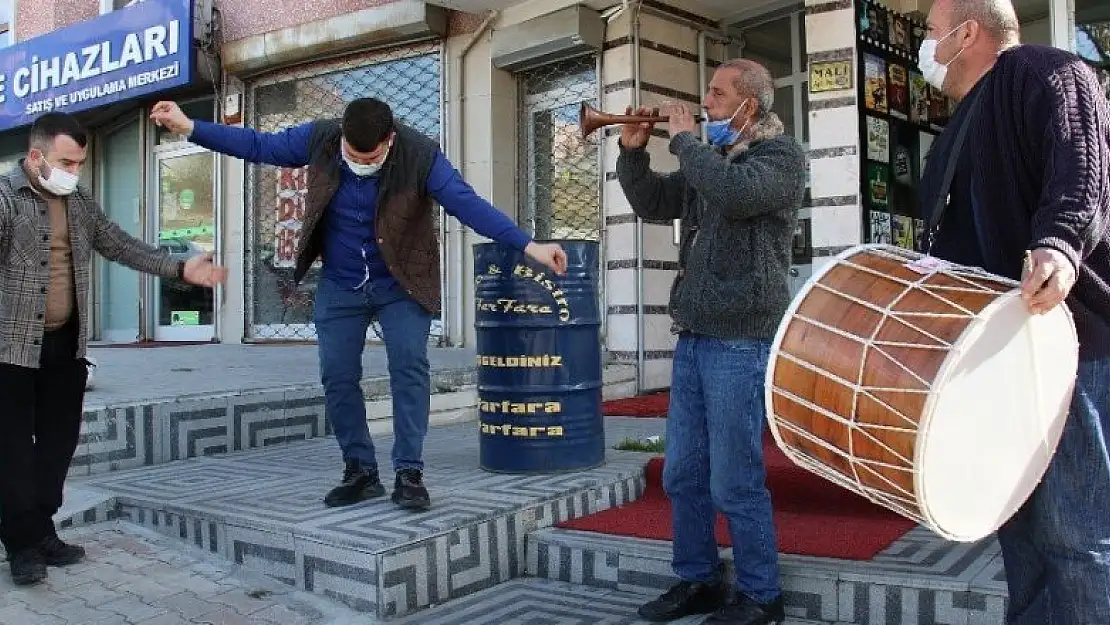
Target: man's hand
170, 116
201, 271
550, 254
635, 135
680, 119
1046, 280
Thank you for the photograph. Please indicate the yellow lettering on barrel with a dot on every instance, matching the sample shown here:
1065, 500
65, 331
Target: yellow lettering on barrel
522, 431
507, 407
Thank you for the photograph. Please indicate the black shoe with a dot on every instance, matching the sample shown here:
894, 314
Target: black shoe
740, 610
27, 567
409, 491
683, 599
358, 485
57, 553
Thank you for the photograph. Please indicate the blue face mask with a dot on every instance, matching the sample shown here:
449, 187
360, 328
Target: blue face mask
721, 133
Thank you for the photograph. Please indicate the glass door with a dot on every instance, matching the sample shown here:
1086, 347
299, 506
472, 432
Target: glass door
184, 223
120, 156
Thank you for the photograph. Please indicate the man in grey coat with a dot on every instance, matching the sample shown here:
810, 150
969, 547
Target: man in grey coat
738, 197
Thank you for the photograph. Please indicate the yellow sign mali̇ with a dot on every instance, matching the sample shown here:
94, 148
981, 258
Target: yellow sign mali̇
830, 76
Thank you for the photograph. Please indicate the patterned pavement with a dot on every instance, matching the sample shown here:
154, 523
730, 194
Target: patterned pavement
262, 508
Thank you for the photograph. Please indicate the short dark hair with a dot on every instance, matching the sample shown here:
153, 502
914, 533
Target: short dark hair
366, 123
52, 125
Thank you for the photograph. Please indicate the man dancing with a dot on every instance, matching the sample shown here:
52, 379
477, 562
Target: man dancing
372, 182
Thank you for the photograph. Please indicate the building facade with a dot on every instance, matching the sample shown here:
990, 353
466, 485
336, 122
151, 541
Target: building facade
499, 84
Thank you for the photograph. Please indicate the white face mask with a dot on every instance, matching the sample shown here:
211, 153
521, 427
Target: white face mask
59, 182
364, 170
934, 72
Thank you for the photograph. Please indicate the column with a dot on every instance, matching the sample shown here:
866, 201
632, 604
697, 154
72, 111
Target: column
668, 71
836, 211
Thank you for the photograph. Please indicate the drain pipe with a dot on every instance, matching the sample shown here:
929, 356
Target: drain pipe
456, 154
641, 352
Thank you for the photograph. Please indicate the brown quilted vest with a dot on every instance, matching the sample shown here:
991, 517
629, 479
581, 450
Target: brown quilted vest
404, 219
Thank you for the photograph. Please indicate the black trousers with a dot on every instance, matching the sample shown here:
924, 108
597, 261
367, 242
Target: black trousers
40, 422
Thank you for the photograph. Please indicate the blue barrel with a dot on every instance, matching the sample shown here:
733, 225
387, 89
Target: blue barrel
539, 361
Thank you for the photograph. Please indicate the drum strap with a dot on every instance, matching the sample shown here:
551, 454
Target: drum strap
950, 172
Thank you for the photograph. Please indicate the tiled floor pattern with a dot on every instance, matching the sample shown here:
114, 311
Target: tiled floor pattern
262, 508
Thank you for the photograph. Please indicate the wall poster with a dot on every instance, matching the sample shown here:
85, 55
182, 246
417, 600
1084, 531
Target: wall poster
900, 115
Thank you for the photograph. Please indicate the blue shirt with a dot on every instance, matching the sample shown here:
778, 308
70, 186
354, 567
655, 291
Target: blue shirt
350, 249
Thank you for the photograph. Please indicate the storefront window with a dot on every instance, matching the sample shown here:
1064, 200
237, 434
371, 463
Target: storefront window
559, 181
7, 11
13, 146
1092, 37
409, 80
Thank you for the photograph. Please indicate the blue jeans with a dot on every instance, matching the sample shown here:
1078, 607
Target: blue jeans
1057, 547
714, 462
342, 318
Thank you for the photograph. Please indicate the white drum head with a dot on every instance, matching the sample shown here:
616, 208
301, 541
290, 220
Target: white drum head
997, 411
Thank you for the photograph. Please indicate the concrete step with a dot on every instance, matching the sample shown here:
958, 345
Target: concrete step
919, 580
262, 509
534, 601
153, 431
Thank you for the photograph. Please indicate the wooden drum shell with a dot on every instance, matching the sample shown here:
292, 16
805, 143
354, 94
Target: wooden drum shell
843, 329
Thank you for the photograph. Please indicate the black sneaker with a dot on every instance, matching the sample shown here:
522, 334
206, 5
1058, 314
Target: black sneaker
740, 610
409, 491
57, 553
683, 599
27, 567
358, 485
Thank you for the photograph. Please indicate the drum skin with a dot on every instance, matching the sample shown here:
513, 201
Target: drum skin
855, 365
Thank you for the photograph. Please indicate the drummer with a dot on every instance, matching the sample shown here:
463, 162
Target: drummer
1039, 117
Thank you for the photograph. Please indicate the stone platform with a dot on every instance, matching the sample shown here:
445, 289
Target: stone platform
262, 509
488, 553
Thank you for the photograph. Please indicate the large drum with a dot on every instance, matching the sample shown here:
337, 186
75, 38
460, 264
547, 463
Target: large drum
923, 386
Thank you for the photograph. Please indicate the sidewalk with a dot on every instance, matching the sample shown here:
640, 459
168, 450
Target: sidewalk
135, 577
130, 375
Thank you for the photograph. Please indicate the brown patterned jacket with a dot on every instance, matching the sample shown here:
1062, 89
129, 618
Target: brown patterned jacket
24, 262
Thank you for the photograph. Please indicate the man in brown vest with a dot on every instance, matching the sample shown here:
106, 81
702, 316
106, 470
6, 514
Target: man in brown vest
372, 185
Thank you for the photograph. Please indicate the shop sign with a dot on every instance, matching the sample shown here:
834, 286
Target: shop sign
830, 76
130, 52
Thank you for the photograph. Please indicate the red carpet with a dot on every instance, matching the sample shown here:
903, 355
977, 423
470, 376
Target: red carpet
813, 516
654, 405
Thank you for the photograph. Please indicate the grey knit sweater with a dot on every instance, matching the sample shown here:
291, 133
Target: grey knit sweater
738, 217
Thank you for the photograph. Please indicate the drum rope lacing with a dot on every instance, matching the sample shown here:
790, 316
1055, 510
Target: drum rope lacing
870, 343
